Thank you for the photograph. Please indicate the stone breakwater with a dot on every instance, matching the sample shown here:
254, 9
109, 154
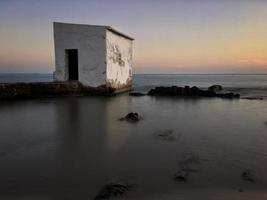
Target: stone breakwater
46, 89
190, 92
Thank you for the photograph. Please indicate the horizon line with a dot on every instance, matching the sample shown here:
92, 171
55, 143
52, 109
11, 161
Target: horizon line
151, 73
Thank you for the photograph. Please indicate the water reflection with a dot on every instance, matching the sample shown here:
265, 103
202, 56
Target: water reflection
80, 120
118, 132
72, 146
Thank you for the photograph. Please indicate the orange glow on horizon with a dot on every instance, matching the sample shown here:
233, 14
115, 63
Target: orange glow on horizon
216, 37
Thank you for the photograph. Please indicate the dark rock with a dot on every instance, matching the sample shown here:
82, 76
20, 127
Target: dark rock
195, 90
131, 117
44, 89
247, 176
181, 176
113, 189
190, 92
240, 190
253, 98
215, 88
229, 95
187, 90
166, 135
136, 94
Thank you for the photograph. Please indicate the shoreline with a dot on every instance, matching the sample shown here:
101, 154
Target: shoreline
249, 86
74, 88
31, 90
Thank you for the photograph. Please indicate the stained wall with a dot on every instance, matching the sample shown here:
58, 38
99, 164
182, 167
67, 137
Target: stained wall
119, 61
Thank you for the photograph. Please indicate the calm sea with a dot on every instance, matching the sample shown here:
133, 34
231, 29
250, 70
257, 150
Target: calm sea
69, 148
151, 80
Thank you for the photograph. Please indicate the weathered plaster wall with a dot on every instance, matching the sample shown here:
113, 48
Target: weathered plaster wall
119, 61
91, 45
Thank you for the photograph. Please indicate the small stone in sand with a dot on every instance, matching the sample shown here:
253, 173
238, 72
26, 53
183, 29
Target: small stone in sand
113, 189
181, 176
131, 117
247, 175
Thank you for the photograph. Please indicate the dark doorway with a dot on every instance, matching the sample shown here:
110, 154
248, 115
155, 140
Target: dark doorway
72, 56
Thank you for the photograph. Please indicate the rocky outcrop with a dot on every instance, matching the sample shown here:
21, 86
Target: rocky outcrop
215, 88
136, 94
113, 189
131, 117
189, 92
247, 175
253, 98
181, 175
30, 90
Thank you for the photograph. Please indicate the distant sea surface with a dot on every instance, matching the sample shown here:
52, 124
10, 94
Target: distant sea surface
246, 84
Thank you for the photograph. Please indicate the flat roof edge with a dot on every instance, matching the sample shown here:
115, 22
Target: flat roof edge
103, 26
119, 33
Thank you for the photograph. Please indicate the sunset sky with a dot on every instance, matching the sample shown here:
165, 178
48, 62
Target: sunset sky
182, 36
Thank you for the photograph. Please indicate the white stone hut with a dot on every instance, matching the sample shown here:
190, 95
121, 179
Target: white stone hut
93, 55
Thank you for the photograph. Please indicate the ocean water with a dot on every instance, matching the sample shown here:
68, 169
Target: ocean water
70, 147
25, 77
246, 85
147, 81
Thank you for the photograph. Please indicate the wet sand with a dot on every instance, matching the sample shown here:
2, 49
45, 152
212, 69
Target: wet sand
69, 148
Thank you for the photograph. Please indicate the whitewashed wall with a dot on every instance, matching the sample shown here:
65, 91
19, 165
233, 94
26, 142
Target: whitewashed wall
119, 61
91, 44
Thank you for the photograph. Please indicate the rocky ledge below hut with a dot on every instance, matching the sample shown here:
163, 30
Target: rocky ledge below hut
190, 92
45, 89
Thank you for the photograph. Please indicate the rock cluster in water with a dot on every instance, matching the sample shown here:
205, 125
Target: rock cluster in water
131, 117
137, 94
253, 98
247, 175
113, 189
191, 92
215, 88
181, 175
